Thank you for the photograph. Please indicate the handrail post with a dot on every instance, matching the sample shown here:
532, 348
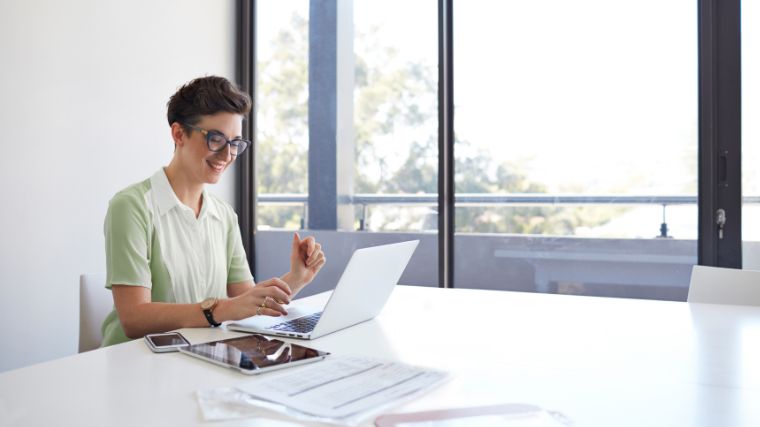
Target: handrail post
363, 218
664, 225
305, 215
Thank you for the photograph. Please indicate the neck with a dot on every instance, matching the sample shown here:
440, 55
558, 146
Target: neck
188, 191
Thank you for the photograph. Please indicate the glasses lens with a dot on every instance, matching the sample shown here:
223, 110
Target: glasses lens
216, 141
238, 146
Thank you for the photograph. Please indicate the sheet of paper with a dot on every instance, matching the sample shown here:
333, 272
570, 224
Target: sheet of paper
342, 386
538, 419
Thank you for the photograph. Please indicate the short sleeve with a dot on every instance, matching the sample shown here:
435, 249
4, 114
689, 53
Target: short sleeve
238, 270
127, 236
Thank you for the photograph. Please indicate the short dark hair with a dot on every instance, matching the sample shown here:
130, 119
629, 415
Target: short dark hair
206, 96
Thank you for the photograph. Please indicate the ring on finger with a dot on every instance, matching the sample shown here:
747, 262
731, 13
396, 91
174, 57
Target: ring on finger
258, 311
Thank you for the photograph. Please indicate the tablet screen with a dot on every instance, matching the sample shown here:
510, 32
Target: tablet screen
254, 353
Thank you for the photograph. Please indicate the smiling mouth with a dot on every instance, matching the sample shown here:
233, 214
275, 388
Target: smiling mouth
217, 167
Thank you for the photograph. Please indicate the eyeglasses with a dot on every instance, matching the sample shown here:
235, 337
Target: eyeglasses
216, 141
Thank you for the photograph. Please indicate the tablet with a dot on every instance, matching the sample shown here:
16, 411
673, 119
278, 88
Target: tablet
254, 354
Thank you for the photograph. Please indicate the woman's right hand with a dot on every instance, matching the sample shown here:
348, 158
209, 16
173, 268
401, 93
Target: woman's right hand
274, 293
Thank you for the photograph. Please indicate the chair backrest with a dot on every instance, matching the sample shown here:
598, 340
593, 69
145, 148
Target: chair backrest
95, 302
716, 285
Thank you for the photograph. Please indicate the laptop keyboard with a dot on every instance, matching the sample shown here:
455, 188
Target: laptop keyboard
301, 325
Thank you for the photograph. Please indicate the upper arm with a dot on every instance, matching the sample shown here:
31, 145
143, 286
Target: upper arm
237, 262
127, 231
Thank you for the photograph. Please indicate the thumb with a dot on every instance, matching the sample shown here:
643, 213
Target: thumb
296, 242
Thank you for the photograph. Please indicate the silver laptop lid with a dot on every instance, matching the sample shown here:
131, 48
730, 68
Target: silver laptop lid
365, 285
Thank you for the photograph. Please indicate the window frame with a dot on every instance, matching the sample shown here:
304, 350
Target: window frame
719, 127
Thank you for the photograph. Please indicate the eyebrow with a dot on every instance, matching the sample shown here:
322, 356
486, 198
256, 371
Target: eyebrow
222, 133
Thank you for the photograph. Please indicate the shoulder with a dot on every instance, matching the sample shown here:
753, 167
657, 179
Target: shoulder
131, 198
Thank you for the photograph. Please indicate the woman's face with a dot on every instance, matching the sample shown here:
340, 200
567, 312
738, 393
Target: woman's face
199, 162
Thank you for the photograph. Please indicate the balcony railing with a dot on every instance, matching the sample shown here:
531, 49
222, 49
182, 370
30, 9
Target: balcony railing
364, 201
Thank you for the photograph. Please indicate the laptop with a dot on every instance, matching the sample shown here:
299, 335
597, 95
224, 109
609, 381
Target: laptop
360, 294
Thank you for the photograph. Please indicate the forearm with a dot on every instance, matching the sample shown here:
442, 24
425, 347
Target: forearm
153, 317
295, 286
235, 289
140, 316
239, 288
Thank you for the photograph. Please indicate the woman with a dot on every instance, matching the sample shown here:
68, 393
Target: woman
174, 254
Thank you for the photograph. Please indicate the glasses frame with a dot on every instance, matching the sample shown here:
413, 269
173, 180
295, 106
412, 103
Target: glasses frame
239, 143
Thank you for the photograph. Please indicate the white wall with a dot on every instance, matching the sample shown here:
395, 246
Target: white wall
83, 92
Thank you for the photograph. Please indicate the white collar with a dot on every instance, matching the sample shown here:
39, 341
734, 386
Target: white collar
167, 200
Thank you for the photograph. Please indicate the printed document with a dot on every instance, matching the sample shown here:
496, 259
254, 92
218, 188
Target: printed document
342, 386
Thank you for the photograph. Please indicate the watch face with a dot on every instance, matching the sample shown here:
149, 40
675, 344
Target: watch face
208, 303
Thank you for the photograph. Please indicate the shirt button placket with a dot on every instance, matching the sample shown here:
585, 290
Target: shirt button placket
193, 231
202, 258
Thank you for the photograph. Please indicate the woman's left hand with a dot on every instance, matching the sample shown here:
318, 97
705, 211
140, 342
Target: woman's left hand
306, 259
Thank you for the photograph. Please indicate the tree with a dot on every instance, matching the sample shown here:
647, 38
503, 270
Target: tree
282, 123
394, 101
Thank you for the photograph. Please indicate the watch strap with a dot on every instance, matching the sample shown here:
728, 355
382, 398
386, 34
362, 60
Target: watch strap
210, 317
209, 313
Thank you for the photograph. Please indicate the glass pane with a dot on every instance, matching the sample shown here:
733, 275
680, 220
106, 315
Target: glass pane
576, 146
282, 132
396, 116
750, 15
384, 108
396, 129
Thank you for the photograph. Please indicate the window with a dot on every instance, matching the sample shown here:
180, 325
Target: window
576, 146
347, 130
584, 147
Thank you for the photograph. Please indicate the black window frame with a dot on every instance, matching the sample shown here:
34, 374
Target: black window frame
719, 127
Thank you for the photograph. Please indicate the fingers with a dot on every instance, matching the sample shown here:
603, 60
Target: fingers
315, 254
317, 258
270, 307
319, 264
276, 295
309, 248
266, 311
278, 283
270, 296
309, 245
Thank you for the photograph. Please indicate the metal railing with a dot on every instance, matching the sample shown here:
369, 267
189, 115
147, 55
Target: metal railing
480, 199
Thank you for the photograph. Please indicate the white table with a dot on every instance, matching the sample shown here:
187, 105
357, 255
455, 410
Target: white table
599, 361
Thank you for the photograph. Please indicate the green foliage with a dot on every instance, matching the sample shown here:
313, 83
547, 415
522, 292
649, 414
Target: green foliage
392, 99
282, 123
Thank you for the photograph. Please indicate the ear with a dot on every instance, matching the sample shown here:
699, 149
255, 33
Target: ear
178, 134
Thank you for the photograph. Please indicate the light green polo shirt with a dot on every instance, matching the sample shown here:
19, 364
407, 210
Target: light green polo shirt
155, 241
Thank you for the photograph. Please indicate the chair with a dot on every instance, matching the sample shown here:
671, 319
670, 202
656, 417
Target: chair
715, 285
95, 302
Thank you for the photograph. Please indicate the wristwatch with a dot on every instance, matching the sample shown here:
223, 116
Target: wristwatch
208, 305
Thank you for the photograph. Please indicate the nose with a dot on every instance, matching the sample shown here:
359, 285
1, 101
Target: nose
227, 152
